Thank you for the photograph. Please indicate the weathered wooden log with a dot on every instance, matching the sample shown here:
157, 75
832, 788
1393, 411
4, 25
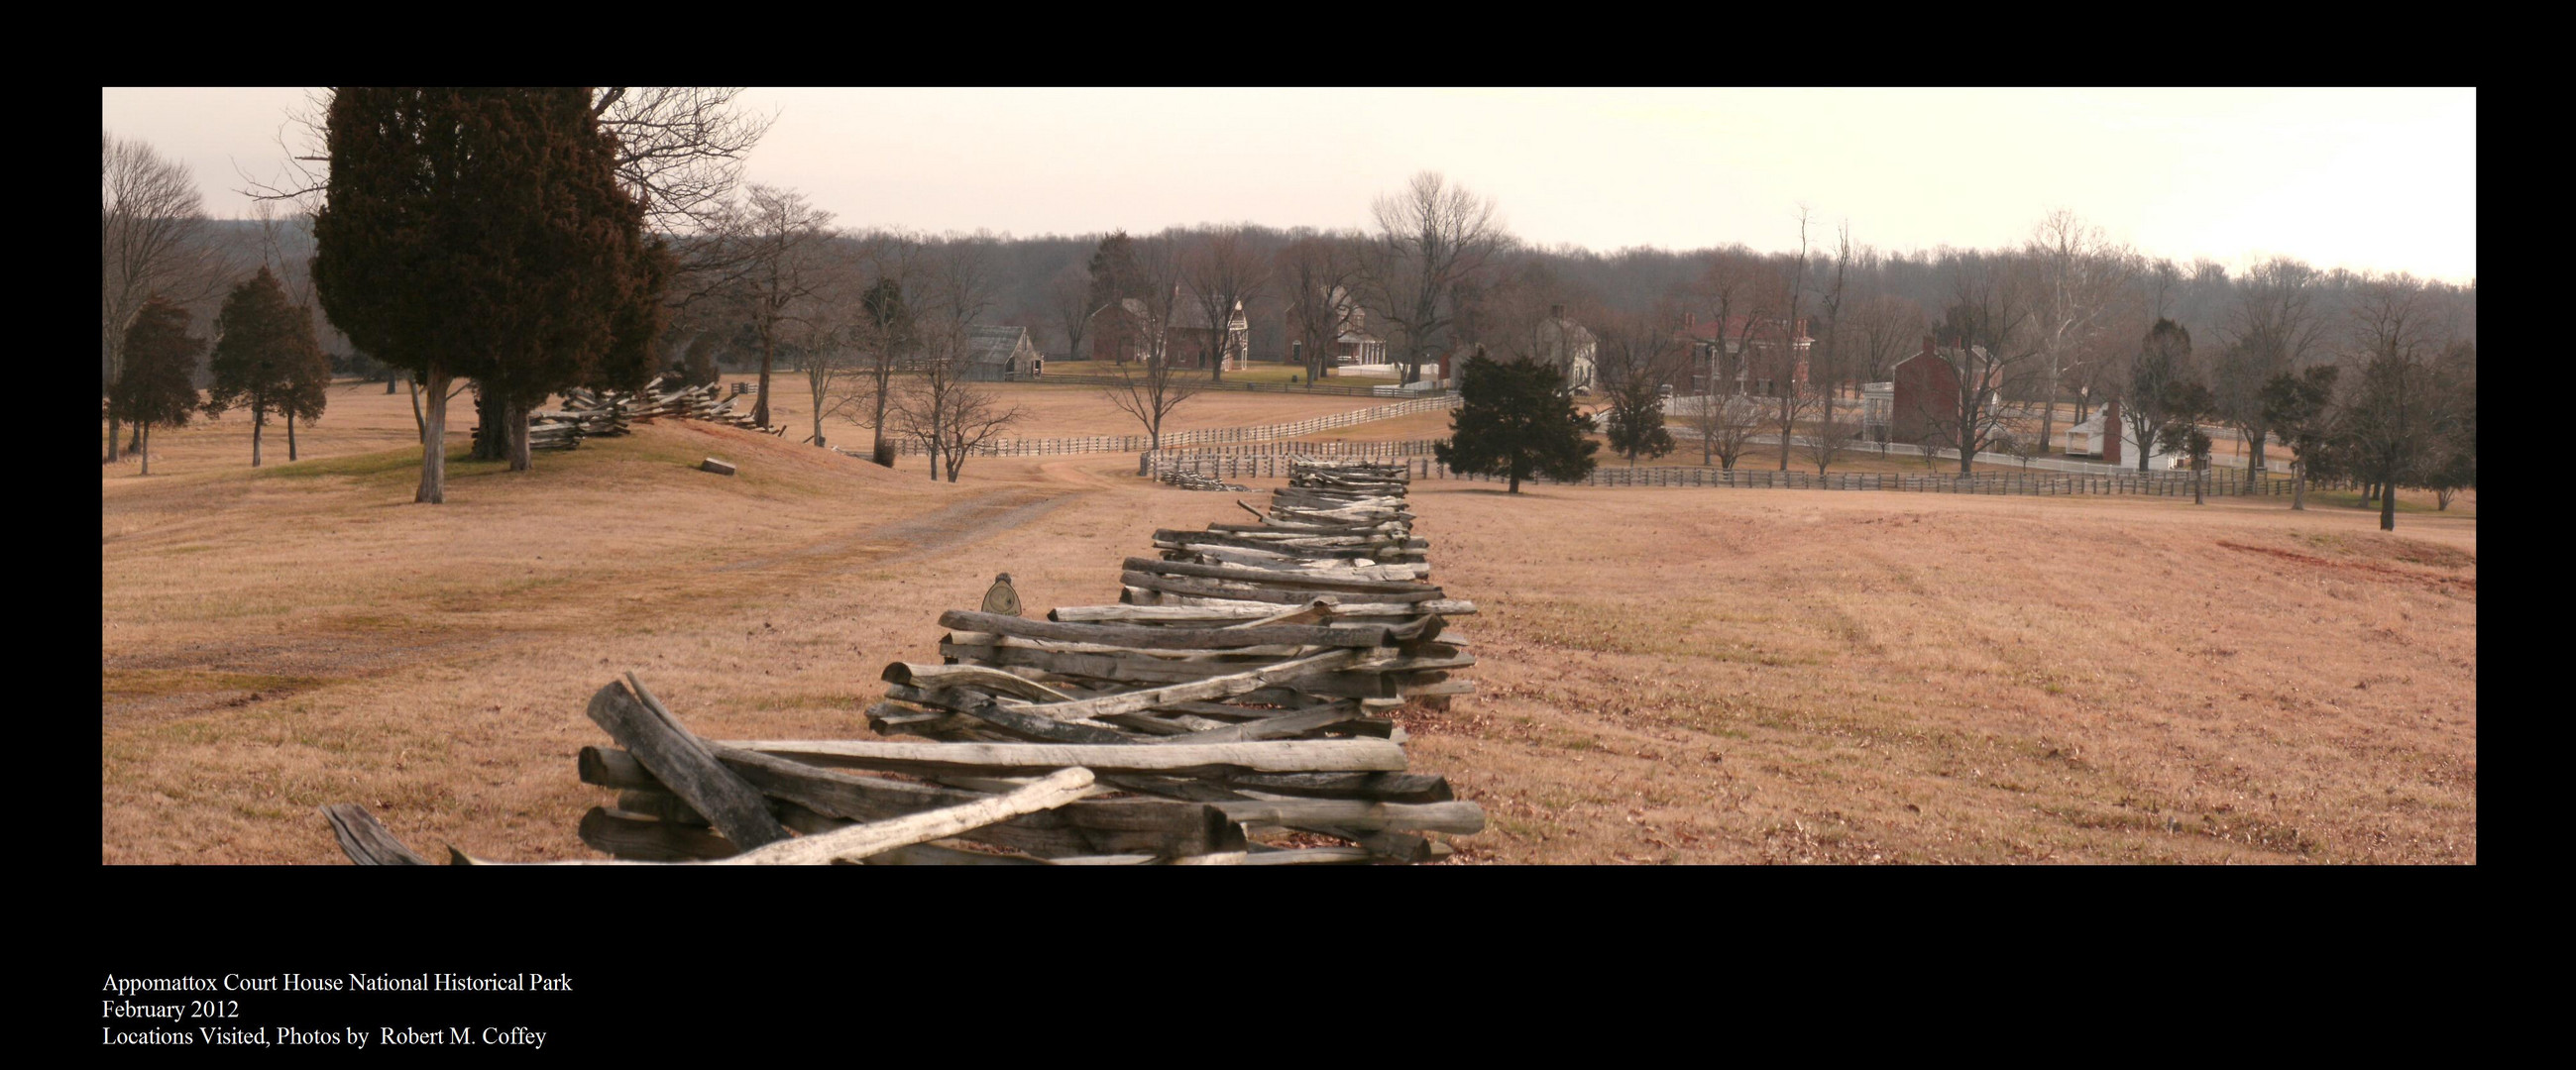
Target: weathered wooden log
1166, 638
994, 680
681, 762
1294, 724
1358, 815
1274, 756
1267, 540
1214, 687
811, 799
660, 806
1079, 829
365, 840
1276, 650
860, 841
640, 838
1277, 527
1350, 570
1018, 722
722, 468
1118, 670
1310, 856
1221, 613
1268, 587
1384, 787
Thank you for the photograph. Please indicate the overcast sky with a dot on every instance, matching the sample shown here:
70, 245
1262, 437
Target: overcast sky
2366, 179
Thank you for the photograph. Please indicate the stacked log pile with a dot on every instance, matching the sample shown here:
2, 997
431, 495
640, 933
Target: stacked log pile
1231, 708
1187, 480
610, 411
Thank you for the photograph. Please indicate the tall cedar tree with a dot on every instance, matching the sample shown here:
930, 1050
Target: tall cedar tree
2164, 358
266, 359
2186, 404
158, 387
1636, 423
1518, 420
1116, 275
480, 232
2298, 407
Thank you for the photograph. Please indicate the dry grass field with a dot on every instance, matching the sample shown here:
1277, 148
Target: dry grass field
1666, 675
363, 419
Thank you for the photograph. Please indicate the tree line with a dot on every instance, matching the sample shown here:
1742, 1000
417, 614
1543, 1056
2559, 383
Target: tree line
686, 274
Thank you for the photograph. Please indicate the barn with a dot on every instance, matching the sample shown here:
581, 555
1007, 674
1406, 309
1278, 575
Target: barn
998, 354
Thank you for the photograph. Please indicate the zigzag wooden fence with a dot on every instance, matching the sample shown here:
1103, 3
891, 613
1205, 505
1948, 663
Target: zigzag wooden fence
1038, 447
1232, 708
1413, 457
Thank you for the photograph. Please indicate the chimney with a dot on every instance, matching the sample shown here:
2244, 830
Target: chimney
1690, 321
1927, 345
1556, 312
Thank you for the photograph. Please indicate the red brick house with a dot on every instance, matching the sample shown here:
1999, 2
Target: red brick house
1120, 332
1764, 353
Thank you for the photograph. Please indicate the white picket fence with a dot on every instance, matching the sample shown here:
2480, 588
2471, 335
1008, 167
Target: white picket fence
1037, 447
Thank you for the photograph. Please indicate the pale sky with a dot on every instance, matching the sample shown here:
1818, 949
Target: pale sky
2367, 179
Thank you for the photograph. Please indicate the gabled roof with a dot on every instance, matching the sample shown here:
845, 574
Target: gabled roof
993, 344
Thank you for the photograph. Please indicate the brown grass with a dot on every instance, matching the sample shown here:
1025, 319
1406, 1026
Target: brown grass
1667, 675
362, 418
1793, 676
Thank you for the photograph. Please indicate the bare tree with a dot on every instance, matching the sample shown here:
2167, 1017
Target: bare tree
151, 241
1996, 358
1789, 371
975, 418
885, 338
680, 148
1640, 352
1068, 302
927, 399
1318, 274
1432, 237
828, 333
1152, 388
2394, 410
1829, 438
1223, 272
2081, 276
2275, 329
1883, 331
1726, 424
781, 241
956, 280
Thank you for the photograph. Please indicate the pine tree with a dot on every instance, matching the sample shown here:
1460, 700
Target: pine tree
1636, 424
1517, 421
2185, 404
2298, 407
2164, 357
481, 233
266, 360
158, 387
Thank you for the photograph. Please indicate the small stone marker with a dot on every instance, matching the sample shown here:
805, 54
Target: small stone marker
1001, 597
722, 468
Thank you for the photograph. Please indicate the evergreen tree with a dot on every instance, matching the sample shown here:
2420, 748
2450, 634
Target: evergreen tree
698, 362
1637, 420
158, 387
266, 360
1115, 273
2164, 357
2297, 408
481, 233
2185, 403
1518, 420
